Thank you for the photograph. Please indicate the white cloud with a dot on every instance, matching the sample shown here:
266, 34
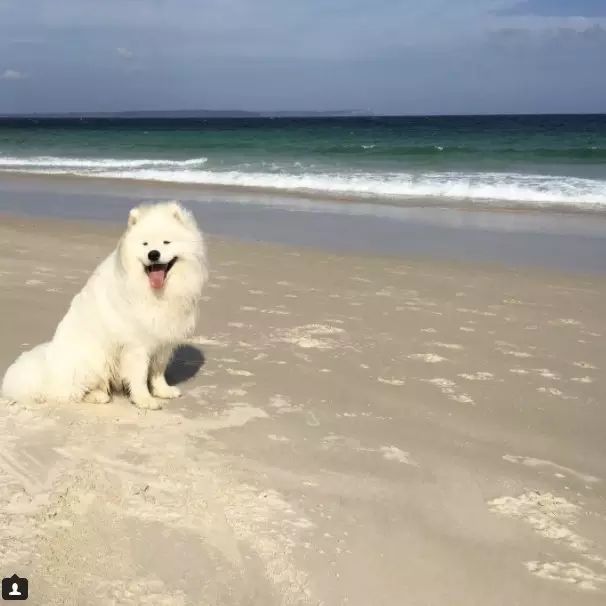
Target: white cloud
12, 74
125, 53
557, 8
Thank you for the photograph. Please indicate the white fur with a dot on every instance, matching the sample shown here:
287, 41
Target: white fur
119, 331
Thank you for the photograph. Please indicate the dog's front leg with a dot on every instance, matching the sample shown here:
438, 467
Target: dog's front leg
159, 387
135, 370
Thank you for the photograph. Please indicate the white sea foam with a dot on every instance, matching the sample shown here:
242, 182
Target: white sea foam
66, 165
506, 188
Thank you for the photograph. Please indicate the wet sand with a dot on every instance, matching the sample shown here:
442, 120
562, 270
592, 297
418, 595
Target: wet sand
572, 241
355, 430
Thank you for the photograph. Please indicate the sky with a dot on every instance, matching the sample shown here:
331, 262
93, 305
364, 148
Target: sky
381, 56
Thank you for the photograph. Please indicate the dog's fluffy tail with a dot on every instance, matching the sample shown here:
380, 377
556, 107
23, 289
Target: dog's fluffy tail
25, 378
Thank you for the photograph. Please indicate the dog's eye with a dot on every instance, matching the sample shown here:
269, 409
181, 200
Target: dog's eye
144, 243
166, 242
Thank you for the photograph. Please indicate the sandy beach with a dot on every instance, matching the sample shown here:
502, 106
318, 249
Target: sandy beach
355, 430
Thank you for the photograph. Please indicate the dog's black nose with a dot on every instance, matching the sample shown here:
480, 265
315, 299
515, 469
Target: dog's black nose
153, 255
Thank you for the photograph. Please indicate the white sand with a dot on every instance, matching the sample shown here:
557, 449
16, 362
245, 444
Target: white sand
325, 452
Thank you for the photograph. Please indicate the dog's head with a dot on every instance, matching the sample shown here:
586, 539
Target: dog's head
163, 245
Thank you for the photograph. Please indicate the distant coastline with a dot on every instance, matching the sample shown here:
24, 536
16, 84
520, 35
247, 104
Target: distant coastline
190, 114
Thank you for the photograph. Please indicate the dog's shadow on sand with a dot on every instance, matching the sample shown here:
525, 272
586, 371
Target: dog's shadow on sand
185, 364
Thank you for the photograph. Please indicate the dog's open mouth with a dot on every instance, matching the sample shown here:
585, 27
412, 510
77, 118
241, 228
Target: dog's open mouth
157, 273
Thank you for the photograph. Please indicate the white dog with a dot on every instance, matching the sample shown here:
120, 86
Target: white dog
121, 329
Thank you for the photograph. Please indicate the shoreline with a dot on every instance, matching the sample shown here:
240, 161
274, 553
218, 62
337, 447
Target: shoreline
396, 202
570, 242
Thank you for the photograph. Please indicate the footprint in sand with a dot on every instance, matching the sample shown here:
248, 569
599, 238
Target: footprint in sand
477, 376
546, 373
282, 404
582, 379
408, 307
440, 382
455, 346
275, 312
552, 391
311, 336
514, 353
238, 373
585, 365
236, 324
448, 388
552, 518
393, 453
202, 391
200, 340
462, 398
430, 358
572, 573
547, 514
477, 312
236, 392
274, 438
389, 453
395, 382
543, 463
565, 322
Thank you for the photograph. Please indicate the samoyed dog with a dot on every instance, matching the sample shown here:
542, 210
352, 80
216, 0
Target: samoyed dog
121, 329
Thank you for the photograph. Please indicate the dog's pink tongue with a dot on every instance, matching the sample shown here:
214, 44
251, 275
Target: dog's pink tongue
156, 277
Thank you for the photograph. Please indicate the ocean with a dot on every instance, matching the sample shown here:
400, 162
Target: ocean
546, 162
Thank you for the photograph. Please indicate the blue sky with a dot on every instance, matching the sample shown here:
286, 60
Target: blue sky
386, 56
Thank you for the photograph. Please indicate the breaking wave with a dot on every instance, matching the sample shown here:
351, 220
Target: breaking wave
541, 190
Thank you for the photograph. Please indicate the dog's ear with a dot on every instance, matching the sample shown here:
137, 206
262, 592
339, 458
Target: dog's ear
133, 216
178, 212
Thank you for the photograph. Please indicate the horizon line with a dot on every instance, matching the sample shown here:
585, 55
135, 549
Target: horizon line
240, 113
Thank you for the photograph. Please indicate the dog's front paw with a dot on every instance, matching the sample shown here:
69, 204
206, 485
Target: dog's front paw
97, 396
168, 392
147, 402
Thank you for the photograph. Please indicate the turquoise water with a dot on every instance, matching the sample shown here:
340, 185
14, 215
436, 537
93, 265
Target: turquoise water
546, 161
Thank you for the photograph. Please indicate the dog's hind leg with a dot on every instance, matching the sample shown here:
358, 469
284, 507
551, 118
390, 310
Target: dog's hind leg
159, 387
134, 368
